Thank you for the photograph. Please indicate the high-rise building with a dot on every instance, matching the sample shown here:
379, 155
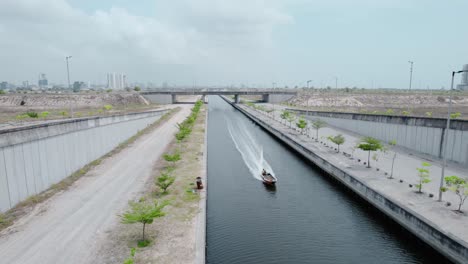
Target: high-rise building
43, 83
117, 81
464, 79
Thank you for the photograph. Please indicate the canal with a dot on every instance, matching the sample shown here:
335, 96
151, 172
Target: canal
308, 218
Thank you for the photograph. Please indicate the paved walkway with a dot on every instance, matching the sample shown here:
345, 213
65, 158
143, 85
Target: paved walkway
405, 169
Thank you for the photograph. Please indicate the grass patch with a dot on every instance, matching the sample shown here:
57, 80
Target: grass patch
143, 243
10, 216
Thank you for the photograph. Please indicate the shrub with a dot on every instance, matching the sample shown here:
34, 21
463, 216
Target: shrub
455, 115
44, 115
32, 114
137, 89
164, 181
107, 107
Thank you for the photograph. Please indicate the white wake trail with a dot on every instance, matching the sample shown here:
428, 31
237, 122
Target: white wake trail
250, 150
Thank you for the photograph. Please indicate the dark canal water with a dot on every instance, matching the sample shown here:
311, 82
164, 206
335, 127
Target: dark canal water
307, 219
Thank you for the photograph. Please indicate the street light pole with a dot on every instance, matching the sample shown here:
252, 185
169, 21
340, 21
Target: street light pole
69, 87
411, 75
336, 82
68, 71
309, 81
445, 138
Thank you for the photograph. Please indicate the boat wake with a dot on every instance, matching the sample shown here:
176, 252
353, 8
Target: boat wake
250, 150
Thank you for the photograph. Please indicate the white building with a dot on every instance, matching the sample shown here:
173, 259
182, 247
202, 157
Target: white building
464, 79
117, 81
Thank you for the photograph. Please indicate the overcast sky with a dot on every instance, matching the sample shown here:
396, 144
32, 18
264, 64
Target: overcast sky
363, 43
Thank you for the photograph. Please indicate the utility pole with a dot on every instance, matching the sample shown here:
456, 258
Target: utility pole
411, 74
69, 86
336, 82
309, 81
68, 71
444, 150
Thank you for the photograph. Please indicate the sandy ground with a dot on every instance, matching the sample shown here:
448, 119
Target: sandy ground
69, 227
444, 217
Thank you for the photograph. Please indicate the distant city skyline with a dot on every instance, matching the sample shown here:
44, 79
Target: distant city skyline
251, 42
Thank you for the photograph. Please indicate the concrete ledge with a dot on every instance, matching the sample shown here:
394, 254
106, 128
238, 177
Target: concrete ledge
388, 119
200, 239
14, 136
446, 243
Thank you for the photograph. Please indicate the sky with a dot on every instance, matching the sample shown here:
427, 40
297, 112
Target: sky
359, 43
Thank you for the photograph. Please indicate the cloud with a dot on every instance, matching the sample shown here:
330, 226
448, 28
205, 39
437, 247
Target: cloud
201, 33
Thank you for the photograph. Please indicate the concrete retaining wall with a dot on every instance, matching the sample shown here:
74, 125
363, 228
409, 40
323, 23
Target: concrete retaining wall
36, 157
424, 135
447, 244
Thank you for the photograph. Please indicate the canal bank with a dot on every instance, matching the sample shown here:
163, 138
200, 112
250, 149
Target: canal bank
445, 242
307, 218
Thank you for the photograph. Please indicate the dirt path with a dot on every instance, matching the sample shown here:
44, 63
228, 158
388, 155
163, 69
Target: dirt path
70, 226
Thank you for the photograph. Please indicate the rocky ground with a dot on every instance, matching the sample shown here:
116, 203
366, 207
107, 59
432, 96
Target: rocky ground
417, 103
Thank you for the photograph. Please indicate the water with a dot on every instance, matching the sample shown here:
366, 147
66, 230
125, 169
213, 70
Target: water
308, 218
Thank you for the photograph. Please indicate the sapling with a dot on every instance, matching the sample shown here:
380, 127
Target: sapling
391, 145
143, 212
164, 181
301, 124
317, 124
369, 144
460, 187
338, 140
423, 174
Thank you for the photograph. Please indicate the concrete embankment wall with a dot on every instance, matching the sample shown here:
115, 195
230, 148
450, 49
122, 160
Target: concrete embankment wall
424, 135
34, 158
447, 244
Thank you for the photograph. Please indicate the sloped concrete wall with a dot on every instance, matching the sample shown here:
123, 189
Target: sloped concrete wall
36, 157
424, 135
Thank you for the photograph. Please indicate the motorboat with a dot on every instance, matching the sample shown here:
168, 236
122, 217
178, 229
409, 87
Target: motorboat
268, 178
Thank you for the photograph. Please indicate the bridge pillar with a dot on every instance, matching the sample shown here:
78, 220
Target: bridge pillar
266, 98
236, 98
203, 99
174, 98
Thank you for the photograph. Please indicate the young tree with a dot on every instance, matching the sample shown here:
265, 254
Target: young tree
391, 145
459, 186
318, 124
144, 213
137, 89
172, 158
301, 124
423, 174
164, 181
291, 119
369, 144
338, 140
285, 115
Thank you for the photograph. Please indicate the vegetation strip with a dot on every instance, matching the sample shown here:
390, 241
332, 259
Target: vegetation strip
10, 216
173, 195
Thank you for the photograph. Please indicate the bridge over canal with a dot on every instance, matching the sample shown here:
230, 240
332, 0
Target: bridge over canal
170, 97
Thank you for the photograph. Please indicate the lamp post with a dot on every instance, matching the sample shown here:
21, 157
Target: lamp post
336, 82
69, 87
68, 71
309, 81
444, 150
411, 74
